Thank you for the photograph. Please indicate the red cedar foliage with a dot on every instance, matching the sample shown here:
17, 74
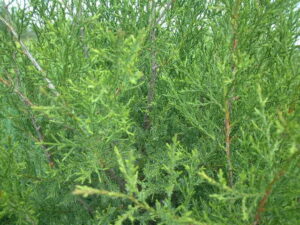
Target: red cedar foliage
149, 112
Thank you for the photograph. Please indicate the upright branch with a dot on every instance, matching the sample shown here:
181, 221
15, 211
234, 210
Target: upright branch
228, 141
229, 93
154, 22
153, 67
77, 18
82, 32
51, 86
85, 47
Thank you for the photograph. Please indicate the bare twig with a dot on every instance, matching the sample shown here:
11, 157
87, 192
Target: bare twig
51, 86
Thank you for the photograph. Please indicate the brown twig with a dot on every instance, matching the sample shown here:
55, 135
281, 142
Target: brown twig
263, 201
51, 86
228, 101
34, 122
268, 191
228, 141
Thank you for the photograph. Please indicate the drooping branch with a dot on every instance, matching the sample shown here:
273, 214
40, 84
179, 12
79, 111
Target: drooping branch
25, 50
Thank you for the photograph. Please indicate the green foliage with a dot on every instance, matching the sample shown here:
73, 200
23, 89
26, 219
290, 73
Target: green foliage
150, 112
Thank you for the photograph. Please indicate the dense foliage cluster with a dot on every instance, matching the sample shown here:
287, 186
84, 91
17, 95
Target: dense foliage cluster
175, 112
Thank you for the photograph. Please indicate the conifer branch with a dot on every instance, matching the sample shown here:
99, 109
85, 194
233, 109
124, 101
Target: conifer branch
268, 191
85, 47
114, 177
25, 50
23, 98
263, 201
167, 7
228, 141
228, 101
26, 101
82, 33
153, 60
86, 191
153, 69
86, 207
